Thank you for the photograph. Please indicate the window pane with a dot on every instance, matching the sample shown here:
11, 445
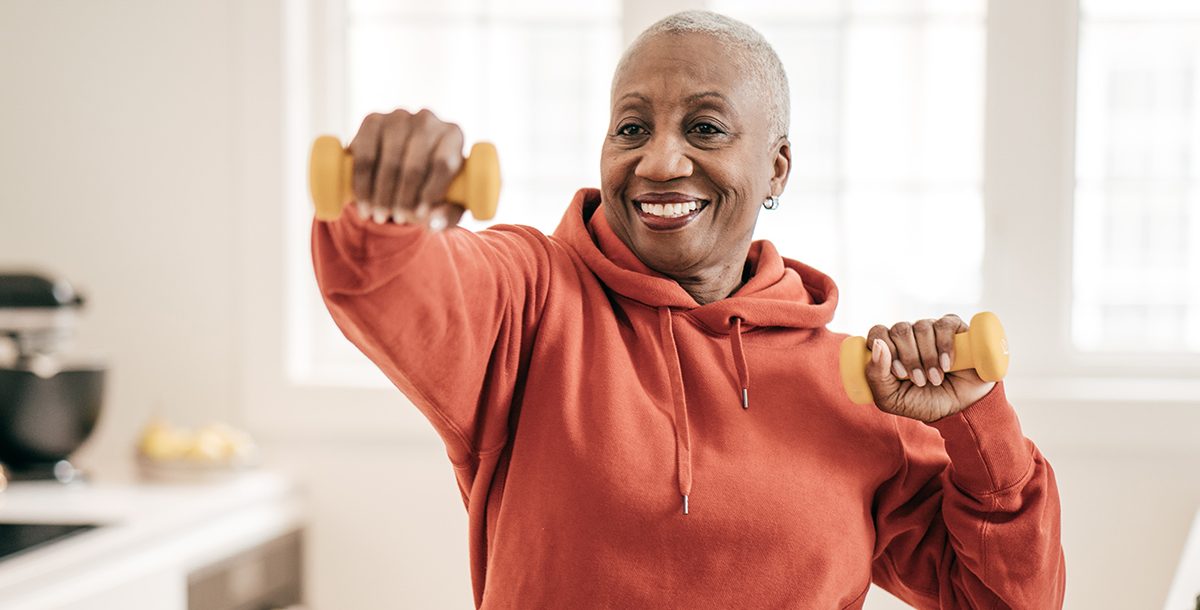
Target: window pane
532, 76
1137, 204
887, 118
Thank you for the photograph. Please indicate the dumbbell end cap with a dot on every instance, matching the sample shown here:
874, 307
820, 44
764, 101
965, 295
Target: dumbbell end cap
326, 182
483, 180
854, 359
989, 346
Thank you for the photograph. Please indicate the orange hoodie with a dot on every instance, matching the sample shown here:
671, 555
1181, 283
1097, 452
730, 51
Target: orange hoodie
618, 445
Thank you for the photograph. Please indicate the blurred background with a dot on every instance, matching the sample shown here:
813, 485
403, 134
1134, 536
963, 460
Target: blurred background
1040, 158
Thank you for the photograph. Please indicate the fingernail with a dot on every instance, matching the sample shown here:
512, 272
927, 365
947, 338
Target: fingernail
422, 211
364, 210
398, 216
945, 361
918, 378
935, 376
380, 216
899, 370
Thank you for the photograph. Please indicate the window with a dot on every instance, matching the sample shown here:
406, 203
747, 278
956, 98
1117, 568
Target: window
1137, 194
885, 193
925, 180
886, 190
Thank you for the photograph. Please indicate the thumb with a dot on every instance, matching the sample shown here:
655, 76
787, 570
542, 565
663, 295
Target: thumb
880, 379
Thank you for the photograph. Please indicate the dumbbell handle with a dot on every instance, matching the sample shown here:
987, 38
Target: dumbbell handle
983, 347
476, 187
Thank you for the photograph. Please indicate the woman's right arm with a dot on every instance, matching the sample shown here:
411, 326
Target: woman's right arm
448, 315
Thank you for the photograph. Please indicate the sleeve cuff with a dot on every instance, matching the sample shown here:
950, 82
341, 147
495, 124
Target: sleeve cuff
988, 452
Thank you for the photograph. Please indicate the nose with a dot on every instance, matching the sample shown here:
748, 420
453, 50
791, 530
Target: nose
663, 159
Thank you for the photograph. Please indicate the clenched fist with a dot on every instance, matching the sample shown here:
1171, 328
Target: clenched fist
908, 370
403, 165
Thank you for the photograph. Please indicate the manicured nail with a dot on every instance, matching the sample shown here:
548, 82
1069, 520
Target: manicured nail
364, 209
935, 376
380, 216
918, 378
422, 212
899, 370
945, 361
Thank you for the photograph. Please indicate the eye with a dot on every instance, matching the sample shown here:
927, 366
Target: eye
706, 129
631, 130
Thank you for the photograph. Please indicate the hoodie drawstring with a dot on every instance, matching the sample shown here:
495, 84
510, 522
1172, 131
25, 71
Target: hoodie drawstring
683, 435
683, 438
739, 361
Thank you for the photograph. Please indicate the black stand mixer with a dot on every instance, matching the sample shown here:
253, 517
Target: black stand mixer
48, 406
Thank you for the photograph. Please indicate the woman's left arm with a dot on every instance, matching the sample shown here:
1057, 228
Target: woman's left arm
975, 524
971, 517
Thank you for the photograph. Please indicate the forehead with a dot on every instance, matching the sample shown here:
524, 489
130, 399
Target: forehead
675, 67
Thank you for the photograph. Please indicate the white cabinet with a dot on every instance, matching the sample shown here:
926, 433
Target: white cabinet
220, 546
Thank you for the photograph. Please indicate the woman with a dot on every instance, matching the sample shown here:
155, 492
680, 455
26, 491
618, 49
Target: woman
644, 409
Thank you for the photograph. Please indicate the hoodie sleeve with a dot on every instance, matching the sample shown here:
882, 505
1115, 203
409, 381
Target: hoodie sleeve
973, 524
448, 317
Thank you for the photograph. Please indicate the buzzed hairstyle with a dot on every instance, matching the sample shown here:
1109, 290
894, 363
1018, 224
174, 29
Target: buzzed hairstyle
756, 57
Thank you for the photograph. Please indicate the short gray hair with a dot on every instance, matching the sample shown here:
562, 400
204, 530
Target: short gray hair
756, 55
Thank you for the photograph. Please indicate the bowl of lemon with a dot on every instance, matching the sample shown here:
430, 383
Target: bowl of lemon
169, 452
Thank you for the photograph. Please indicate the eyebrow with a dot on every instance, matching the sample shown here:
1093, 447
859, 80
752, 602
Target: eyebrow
695, 97
691, 99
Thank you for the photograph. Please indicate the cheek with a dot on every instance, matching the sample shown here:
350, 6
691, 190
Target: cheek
614, 170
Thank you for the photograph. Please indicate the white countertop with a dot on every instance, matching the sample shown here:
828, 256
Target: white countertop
145, 527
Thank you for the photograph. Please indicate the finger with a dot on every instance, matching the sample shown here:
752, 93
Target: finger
444, 165
906, 351
364, 148
927, 350
444, 216
414, 167
880, 332
880, 379
394, 138
944, 330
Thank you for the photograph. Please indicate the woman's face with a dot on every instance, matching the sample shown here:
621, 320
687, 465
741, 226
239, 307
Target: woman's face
688, 128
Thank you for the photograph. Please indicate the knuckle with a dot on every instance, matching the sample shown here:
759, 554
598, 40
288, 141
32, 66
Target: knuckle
922, 326
372, 120
900, 328
425, 117
945, 325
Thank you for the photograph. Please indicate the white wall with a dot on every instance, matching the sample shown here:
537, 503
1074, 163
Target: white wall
126, 135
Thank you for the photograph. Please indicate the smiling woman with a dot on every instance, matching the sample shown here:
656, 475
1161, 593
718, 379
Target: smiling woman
593, 387
691, 126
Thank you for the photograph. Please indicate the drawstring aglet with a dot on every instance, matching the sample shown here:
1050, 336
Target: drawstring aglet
685, 507
745, 398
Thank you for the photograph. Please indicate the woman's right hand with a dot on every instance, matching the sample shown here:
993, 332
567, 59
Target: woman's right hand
403, 165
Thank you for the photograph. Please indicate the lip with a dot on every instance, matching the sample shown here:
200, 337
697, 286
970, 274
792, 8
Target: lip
659, 224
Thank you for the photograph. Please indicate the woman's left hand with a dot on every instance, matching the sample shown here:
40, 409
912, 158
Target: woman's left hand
907, 371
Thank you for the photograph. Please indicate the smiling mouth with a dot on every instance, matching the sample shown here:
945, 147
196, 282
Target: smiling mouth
674, 213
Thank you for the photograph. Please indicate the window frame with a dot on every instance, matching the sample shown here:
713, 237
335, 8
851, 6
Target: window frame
1026, 97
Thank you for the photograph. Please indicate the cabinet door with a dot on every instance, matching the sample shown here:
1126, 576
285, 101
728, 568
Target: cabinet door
266, 576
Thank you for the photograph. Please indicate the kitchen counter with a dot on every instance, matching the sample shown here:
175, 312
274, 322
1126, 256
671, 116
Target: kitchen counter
152, 536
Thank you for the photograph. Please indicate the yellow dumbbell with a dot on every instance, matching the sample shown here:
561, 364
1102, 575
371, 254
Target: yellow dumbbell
983, 348
330, 167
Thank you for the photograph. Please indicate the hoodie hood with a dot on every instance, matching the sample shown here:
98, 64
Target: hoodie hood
779, 293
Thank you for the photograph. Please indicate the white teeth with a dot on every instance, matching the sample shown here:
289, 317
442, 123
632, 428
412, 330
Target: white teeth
669, 210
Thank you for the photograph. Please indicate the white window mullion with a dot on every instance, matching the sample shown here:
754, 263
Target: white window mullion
1028, 178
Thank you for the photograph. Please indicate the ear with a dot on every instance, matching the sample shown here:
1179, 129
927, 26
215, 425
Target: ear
781, 156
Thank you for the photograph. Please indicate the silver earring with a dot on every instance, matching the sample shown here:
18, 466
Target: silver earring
771, 203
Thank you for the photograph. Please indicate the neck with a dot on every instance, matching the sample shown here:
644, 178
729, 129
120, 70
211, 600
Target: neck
718, 284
